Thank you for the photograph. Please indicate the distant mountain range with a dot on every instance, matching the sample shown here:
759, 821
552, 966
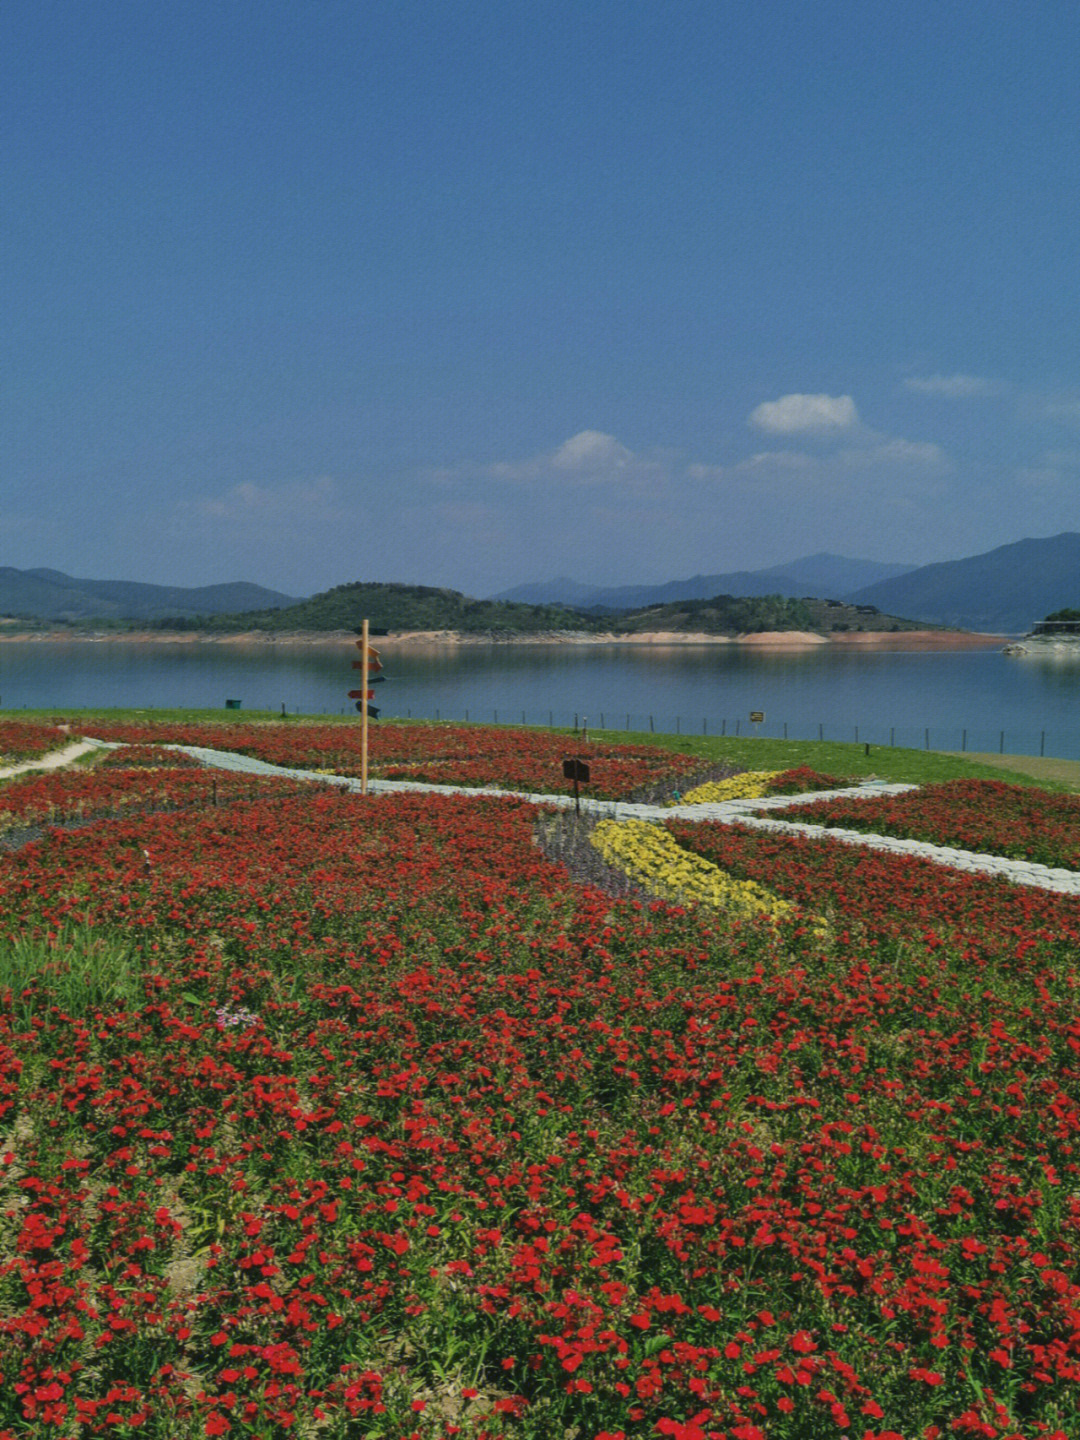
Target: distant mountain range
826, 576
1003, 591
1000, 592
52, 595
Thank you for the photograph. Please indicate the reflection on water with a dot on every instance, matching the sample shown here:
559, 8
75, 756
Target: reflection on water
840, 693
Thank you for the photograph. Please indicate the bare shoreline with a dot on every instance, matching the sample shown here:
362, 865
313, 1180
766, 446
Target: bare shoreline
942, 640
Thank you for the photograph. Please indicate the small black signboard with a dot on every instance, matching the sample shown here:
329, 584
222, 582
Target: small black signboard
578, 771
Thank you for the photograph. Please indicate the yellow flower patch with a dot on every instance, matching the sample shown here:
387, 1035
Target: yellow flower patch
651, 856
750, 785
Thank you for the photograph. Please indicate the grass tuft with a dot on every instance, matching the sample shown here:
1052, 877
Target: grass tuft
79, 971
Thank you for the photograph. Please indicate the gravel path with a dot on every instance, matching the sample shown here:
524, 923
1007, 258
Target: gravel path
53, 761
753, 813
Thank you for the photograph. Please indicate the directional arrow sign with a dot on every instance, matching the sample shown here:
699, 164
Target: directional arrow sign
374, 663
361, 694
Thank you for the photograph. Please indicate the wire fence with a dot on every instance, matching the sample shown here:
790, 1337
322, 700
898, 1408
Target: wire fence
974, 739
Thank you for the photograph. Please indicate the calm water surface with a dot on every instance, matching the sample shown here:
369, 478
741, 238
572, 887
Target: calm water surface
881, 698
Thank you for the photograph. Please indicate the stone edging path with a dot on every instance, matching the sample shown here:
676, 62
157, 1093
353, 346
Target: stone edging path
752, 813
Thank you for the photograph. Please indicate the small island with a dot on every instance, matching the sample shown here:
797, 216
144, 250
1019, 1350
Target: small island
1058, 634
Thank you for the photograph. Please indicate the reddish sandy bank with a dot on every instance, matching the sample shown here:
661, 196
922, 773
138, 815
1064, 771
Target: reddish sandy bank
919, 640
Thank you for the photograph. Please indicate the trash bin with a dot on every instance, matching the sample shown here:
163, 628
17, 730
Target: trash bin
232, 704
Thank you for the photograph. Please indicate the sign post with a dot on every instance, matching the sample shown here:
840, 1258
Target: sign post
578, 771
363, 708
368, 663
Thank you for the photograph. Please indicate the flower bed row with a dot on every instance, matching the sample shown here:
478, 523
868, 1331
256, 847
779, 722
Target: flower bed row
24, 740
983, 815
651, 857
56, 797
525, 760
387, 1129
752, 784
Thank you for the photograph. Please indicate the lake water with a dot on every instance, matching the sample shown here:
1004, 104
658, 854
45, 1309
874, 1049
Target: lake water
978, 700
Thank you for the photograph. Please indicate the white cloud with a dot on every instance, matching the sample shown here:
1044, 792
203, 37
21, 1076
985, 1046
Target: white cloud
587, 458
591, 450
897, 451
1067, 409
952, 387
784, 460
805, 414
251, 502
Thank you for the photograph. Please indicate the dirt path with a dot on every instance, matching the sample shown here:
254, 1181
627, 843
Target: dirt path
53, 761
1063, 772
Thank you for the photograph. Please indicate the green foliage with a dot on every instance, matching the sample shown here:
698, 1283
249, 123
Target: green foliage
423, 607
722, 615
404, 607
79, 971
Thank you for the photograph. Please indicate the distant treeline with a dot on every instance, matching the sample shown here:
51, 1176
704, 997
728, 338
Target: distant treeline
422, 607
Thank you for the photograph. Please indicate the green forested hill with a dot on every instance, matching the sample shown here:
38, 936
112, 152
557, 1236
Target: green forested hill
403, 607
421, 607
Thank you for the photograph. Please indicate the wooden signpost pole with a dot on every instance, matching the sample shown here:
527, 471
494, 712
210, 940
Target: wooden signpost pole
363, 711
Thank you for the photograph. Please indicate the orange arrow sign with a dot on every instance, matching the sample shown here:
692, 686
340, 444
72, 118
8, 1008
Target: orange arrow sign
361, 694
371, 669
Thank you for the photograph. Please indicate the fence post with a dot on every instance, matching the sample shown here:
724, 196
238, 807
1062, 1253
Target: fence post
523, 717
856, 734
1001, 744
652, 727
928, 737
496, 714
628, 720
1042, 743
963, 741
723, 727
551, 720
785, 729
737, 724
892, 736
821, 732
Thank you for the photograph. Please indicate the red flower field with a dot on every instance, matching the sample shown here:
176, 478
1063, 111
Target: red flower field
359, 1117
968, 814
525, 760
20, 740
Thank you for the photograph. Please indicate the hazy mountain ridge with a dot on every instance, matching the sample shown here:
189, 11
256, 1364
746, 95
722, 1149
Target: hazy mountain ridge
1001, 592
823, 574
44, 594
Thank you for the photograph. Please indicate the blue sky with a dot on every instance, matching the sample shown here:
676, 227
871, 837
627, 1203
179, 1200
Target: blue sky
305, 293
